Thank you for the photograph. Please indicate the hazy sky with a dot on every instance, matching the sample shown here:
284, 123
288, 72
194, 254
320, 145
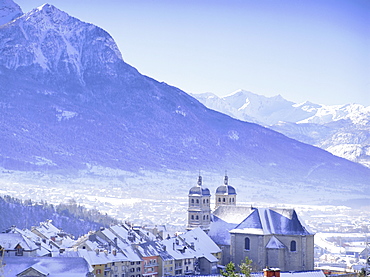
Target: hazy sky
316, 50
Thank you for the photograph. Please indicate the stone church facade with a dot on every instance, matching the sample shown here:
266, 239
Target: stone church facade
270, 237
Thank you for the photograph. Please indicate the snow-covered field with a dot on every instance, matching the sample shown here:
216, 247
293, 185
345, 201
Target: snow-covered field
161, 197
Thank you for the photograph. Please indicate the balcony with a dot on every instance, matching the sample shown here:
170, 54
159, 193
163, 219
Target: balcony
151, 264
150, 273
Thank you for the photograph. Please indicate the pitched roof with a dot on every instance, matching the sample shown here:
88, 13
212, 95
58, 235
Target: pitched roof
274, 243
52, 267
9, 241
272, 221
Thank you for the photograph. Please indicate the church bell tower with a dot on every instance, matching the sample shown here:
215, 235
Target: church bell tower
199, 211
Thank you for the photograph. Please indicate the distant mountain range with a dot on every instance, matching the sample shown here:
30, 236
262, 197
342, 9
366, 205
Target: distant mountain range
343, 130
69, 101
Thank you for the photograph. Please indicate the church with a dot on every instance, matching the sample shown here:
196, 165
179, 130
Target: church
270, 237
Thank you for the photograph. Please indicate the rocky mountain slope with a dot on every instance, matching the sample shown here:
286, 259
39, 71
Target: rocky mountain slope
343, 130
69, 101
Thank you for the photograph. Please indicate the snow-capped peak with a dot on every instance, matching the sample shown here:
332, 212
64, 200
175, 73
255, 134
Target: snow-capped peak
9, 11
56, 42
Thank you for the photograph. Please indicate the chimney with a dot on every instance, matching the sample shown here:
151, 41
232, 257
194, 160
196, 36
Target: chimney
271, 272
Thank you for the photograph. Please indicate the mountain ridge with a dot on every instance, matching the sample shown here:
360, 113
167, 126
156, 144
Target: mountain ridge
59, 116
339, 129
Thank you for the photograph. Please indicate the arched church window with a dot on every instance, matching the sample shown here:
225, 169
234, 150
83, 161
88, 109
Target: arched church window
197, 201
293, 246
223, 200
192, 217
247, 244
207, 217
207, 201
219, 199
204, 217
197, 217
204, 201
192, 201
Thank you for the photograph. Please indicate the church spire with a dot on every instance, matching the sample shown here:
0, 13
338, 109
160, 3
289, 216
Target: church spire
226, 180
199, 180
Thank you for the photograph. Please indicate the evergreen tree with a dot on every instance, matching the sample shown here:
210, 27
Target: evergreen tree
245, 269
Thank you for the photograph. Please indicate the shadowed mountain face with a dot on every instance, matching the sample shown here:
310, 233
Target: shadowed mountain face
67, 99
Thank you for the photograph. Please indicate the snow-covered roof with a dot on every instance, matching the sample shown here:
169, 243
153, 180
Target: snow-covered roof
52, 267
201, 241
49, 231
257, 221
232, 214
150, 249
272, 221
9, 241
178, 249
96, 257
219, 230
274, 243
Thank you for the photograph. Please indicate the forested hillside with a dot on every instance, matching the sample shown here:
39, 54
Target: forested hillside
71, 217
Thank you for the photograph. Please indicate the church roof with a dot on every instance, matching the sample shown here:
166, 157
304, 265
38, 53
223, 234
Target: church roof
257, 221
224, 219
272, 221
274, 243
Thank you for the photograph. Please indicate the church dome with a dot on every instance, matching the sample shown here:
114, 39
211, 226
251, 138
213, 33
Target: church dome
225, 189
198, 190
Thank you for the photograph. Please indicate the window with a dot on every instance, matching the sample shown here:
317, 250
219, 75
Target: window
138, 262
132, 269
98, 271
207, 217
204, 201
204, 217
247, 244
192, 201
293, 246
138, 269
230, 200
219, 199
19, 251
197, 217
123, 275
132, 263
223, 200
197, 201
207, 201
192, 217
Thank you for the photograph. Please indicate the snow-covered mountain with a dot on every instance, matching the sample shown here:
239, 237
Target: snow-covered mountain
68, 102
343, 130
9, 11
